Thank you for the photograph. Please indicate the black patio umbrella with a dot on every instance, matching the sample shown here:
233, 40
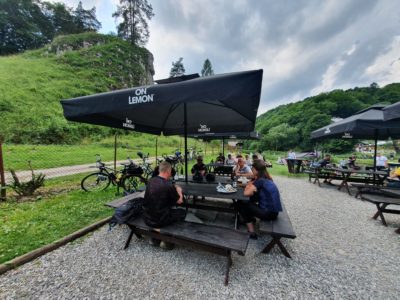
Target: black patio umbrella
391, 112
219, 103
365, 124
252, 135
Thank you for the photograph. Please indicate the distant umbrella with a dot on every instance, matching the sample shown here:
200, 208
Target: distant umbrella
365, 124
391, 112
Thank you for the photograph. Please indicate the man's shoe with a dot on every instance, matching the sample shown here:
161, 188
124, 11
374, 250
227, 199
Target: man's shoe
154, 242
166, 245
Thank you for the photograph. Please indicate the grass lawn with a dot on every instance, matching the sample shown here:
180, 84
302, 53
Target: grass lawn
30, 225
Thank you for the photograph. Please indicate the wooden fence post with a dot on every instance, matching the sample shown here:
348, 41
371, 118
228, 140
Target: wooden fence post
2, 177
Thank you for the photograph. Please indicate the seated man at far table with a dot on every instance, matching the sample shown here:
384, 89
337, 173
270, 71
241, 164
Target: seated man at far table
199, 167
242, 169
159, 198
220, 159
323, 164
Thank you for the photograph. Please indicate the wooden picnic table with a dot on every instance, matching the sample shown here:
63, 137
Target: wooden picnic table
365, 176
210, 191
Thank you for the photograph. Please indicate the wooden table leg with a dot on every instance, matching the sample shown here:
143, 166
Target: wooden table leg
376, 215
228, 266
381, 214
276, 241
129, 237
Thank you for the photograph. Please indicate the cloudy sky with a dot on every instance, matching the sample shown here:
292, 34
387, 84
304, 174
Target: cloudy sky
305, 47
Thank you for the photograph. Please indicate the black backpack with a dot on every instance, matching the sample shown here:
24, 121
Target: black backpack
128, 211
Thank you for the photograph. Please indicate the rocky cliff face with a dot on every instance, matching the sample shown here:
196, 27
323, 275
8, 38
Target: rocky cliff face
132, 65
33, 83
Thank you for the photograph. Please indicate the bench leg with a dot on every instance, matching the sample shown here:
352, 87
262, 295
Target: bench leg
380, 213
276, 241
228, 266
129, 238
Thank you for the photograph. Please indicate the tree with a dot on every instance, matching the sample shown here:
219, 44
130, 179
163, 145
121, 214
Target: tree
207, 68
177, 68
85, 20
19, 29
133, 27
29, 24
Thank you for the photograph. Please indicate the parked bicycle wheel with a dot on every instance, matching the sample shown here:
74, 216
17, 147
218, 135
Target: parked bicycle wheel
95, 182
131, 183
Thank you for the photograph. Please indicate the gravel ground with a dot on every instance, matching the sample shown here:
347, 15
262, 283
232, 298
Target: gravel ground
339, 252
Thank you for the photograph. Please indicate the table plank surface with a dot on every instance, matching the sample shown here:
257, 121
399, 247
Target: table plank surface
120, 201
209, 190
368, 172
391, 192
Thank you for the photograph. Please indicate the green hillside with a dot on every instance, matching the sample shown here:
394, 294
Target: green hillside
32, 84
289, 126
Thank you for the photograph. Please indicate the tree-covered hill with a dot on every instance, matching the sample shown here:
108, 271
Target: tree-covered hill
289, 126
33, 83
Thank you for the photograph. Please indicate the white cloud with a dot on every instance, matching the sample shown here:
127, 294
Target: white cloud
386, 68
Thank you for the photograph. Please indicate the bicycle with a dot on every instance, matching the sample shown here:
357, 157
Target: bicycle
146, 166
177, 162
129, 178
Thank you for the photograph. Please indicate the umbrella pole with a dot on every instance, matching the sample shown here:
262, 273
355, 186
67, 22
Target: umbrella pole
223, 147
115, 152
375, 151
156, 150
185, 125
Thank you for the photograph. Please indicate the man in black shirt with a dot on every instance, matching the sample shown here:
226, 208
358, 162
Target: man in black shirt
160, 196
199, 167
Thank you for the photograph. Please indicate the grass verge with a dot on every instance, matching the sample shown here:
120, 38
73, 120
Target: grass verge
29, 225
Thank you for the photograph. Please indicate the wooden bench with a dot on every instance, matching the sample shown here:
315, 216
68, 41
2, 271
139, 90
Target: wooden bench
214, 239
218, 240
318, 173
370, 189
279, 228
381, 203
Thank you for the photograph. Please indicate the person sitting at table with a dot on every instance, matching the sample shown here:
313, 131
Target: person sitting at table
159, 198
352, 162
242, 169
230, 161
265, 200
220, 159
325, 161
381, 161
199, 167
323, 164
394, 178
248, 161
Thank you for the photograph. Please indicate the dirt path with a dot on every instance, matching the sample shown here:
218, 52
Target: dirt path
64, 171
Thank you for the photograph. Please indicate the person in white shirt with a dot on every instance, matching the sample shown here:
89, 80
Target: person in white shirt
381, 162
230, 161
248, 161
292, 154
